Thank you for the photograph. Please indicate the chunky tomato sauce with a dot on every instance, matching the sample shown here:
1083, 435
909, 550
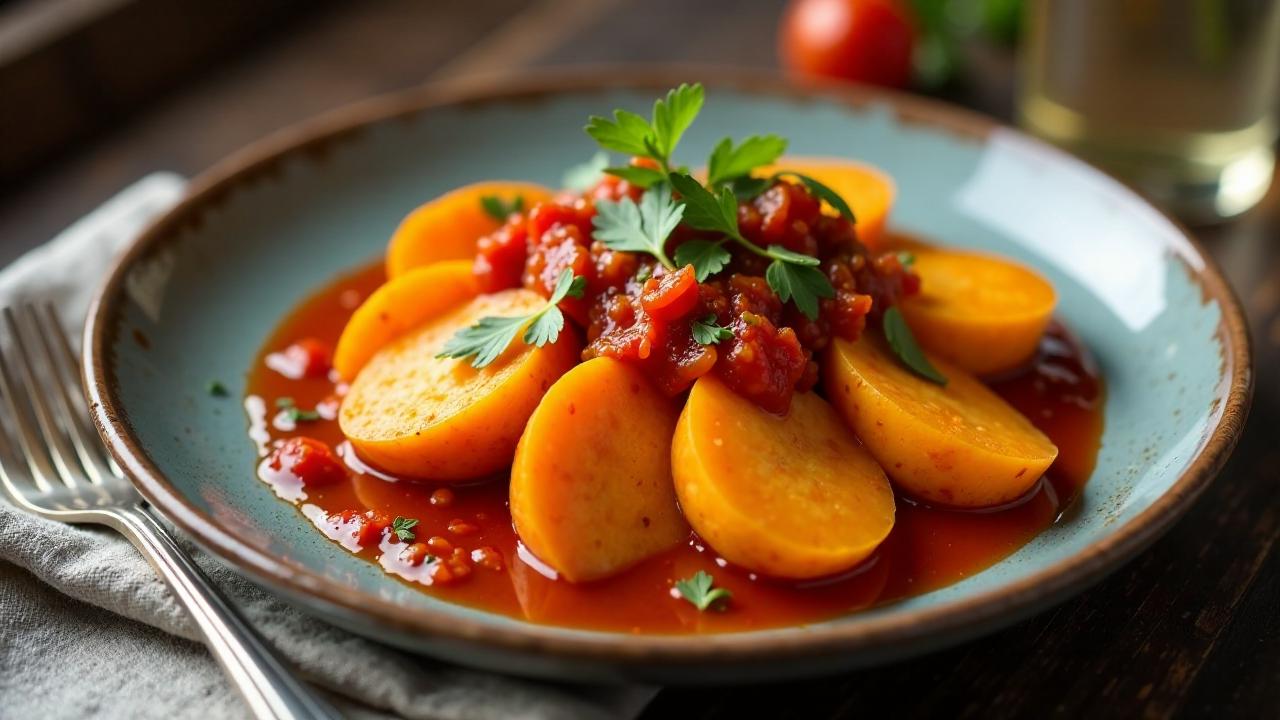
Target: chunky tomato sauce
479, 561
636, 310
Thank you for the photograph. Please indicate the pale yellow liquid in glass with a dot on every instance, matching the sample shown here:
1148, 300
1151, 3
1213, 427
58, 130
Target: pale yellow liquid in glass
1178, 97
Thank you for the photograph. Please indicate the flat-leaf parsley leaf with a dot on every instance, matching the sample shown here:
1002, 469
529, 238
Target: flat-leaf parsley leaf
402, 527
708, 331
499, 209
488, 338
699, 590
706, 257
729, 161
643, 228
905, 347
631, 134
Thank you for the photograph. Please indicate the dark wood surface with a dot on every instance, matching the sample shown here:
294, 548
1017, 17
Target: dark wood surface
1190, 628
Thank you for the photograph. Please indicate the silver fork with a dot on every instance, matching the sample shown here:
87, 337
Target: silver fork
53, 464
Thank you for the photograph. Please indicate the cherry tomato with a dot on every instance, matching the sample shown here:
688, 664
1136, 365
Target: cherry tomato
867, 41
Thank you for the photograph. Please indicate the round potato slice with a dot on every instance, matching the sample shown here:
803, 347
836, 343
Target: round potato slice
983, 313
412, 413
868, 191
447, 227
399, 306
790, 496
958, 445
591, 489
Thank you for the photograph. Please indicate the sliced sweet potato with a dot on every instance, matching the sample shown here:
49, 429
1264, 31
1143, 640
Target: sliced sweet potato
447, 228
591, 489
399, 306
868, 191
414, 414
959, 445
790, 496
983, 313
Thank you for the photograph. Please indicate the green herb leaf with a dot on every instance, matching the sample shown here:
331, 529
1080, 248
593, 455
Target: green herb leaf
639, 176
700, 591
704, 210
706, 257
802, 284
673, 115
490, 336
402, 528
777, 252
906, 259
585, 175
643, 228
831, 197
729, 162
217, 389
747, 188
904, 345
297, 414
708, 331
485, 340
499, 209
627, 133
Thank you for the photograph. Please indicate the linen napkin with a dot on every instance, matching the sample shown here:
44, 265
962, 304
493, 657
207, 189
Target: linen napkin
87, 629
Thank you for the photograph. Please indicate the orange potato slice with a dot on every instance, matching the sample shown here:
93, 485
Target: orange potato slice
447, 227
411, 413
399, 306
958, 445
868, 191
983, 313
591, 489
790, 496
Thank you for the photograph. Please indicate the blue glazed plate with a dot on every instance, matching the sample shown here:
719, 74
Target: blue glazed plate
208, 282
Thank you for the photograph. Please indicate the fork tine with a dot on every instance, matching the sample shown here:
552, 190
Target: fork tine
37, 463
72, 414
64, 460
76, 405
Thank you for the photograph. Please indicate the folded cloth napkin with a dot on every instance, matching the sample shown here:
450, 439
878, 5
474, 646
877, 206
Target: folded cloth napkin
87, 629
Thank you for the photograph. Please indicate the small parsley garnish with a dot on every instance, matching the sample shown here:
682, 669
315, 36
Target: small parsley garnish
642, 228
499, 209
905, 347
708, 331
402, 528
657, 138
729, 162
295, 413
699, 590
217, 389
585, 175
706, 257
906, 259
488, 338
792, 275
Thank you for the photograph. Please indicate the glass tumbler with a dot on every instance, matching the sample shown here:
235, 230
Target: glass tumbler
1177, 97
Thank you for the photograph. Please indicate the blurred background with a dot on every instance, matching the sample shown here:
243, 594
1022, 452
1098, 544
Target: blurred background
1178, 97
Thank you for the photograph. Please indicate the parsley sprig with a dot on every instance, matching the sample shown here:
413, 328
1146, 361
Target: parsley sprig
792, 275
402, 527
499, 209
642, 228
488, 338
700, 591
656, 138
904, 345
295, 413
708, 331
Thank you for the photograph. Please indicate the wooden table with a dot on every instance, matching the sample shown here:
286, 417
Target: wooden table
1191, 627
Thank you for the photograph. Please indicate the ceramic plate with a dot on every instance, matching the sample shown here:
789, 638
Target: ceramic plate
208, 282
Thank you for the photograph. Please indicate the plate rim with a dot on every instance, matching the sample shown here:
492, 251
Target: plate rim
917, 627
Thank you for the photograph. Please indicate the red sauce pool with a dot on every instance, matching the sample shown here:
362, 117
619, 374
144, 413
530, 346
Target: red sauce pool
927, 549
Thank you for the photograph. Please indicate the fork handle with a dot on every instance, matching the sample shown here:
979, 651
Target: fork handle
267, 684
